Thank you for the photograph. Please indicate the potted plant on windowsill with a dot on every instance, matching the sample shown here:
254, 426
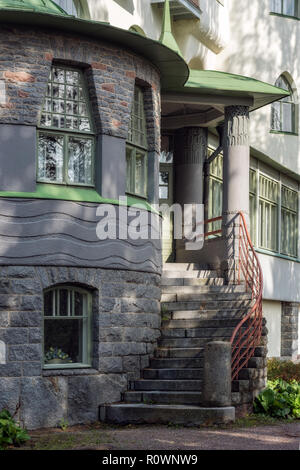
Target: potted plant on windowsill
57, 356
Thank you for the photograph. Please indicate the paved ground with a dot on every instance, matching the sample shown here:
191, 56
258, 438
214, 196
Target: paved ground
275, 437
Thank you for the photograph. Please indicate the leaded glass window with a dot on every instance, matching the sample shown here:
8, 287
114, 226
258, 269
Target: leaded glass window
136, 148
283, 111
65, 137
67, 327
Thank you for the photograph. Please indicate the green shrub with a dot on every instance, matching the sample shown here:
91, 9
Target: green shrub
285, 370
10, 432
279, 400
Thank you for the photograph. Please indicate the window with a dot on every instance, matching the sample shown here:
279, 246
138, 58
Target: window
274, 226
136, 148
289, 221
215, 202
65, 134
285, 7
268, 213
283, 111
67, 327
71, 7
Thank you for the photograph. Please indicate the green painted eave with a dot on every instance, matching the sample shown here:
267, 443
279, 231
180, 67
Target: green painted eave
166, 36
73, 193
207, 82
38, 6
173, 69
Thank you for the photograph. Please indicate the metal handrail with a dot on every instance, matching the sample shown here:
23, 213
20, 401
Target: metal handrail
247, 335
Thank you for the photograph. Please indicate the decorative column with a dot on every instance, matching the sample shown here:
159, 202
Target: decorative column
190, 150
235, 184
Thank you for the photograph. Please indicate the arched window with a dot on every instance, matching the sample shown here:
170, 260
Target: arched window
283, 115
65, 134
136, 148
67, 327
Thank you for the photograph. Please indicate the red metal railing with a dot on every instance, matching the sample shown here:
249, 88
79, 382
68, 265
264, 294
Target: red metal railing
247, 335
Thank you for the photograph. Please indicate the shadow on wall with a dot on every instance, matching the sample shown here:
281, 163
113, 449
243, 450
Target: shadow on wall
127, 5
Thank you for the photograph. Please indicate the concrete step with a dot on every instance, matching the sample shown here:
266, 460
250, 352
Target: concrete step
185, 415
176, 363
188, 342
206, 301
179, 353
160, 397
200, 323
179, 385
196, 332
208, 292
173, 374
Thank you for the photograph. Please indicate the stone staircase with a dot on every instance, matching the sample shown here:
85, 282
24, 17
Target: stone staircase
196, 308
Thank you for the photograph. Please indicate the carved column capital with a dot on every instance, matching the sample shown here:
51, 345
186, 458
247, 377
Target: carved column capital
236, 125
191, 143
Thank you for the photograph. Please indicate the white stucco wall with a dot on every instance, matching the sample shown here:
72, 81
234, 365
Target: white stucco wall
272, 313
281, 278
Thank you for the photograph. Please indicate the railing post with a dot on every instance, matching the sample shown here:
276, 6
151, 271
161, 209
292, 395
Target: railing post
217, 374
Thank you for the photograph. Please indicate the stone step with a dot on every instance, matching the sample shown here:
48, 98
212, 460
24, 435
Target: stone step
152, 384
173, 374
177, 363
208, 292
160, 397
204, 283
196, 332
200, 323
167, 267
196, 314
185, 415
179, 353
208, 303
188, 342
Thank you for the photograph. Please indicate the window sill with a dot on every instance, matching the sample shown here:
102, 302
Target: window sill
276, 255
284, 133
69, 372
273, 13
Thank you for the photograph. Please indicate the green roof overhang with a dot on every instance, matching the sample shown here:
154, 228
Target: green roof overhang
42, 6
226, 88
173, 69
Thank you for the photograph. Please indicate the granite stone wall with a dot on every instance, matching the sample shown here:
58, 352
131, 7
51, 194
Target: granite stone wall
289, 330
126, 325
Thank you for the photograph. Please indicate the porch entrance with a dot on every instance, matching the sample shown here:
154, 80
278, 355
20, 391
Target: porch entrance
166, 198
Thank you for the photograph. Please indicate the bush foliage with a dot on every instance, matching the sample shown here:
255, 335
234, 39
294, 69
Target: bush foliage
285, 370
279, 400
10, 432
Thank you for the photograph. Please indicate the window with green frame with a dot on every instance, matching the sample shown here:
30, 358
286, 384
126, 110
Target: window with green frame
285, 7
67, 327
65, 131
268, 213
215, 189
137, 147
283, 112
274, 226
289, 221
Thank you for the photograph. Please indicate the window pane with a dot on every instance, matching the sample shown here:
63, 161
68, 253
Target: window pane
276, 6
140, 173
50, 158
63, 303
163, 192
287, 117
63, 341
289, 7
166, 157
275, 117
80, 304
48, 304
129, 170
80, 160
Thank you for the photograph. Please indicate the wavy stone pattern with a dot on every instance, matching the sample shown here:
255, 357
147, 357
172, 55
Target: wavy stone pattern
63, 233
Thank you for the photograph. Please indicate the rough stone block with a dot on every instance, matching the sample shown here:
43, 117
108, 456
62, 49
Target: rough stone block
19, 319
25, 352
9, 394
110, 365
87, 393
43, 401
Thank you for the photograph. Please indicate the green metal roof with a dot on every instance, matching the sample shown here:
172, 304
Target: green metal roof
173, 69
207, 82
42, 6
